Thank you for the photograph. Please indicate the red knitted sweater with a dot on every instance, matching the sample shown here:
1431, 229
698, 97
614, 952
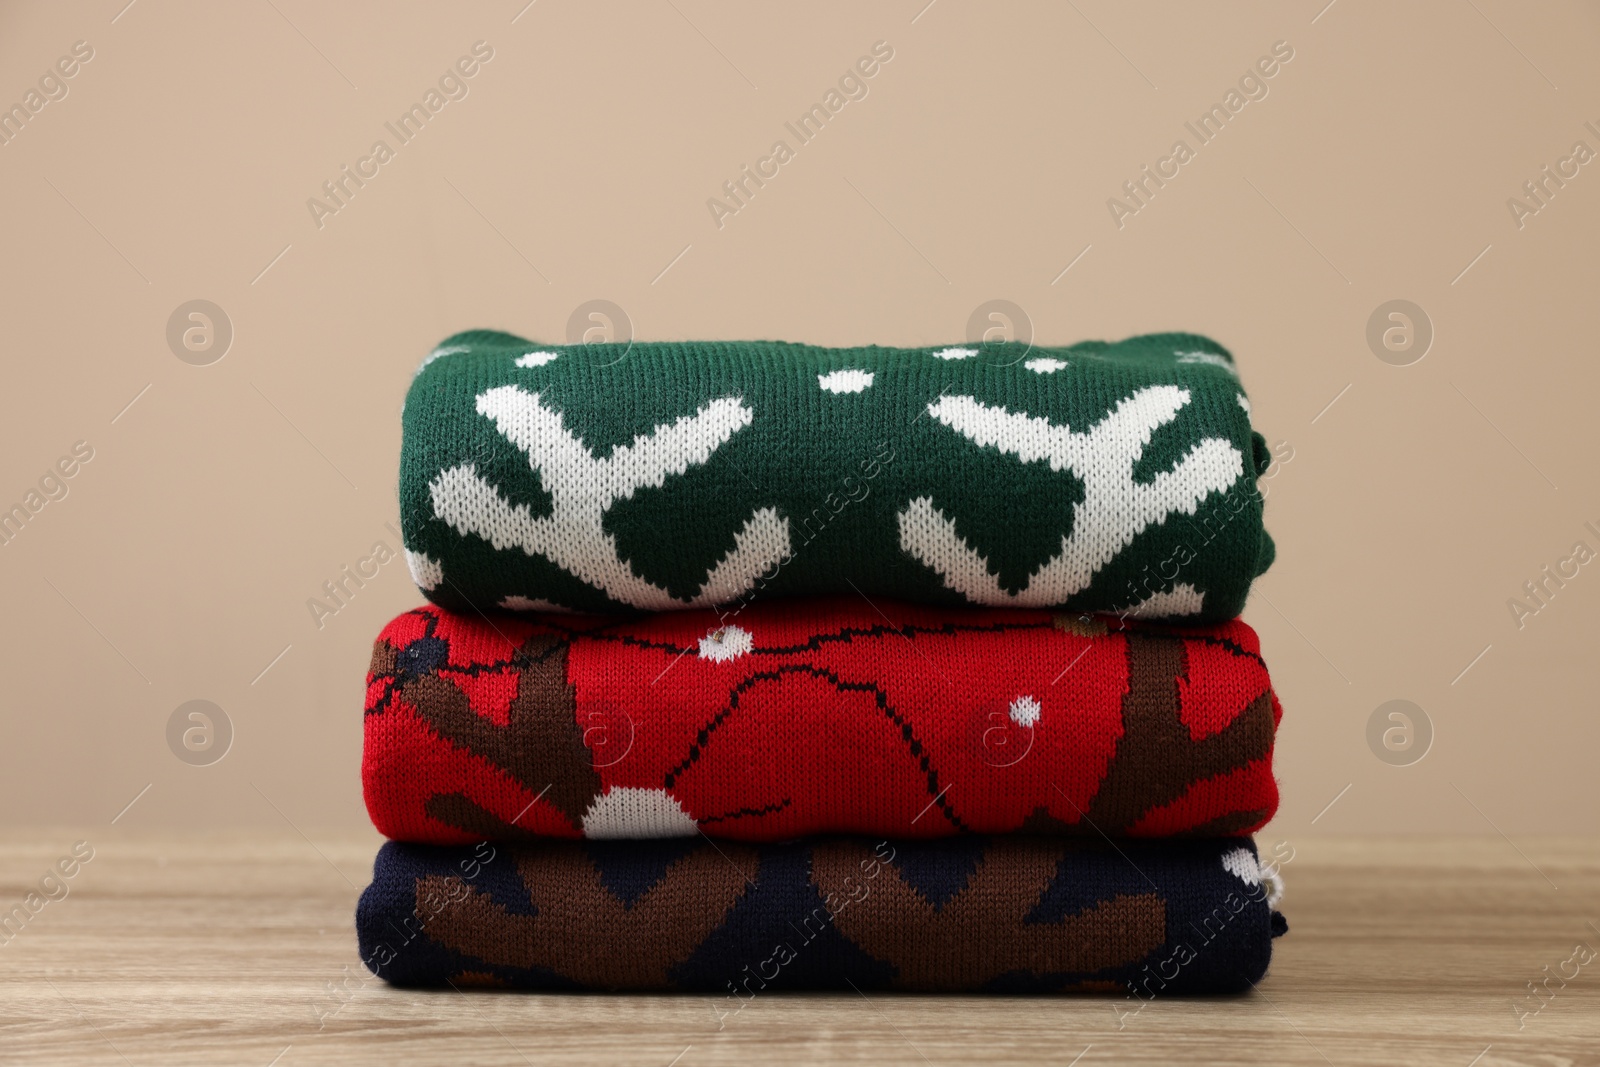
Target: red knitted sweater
814, 717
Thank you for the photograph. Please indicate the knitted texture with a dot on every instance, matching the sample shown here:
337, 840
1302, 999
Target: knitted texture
815, 716
1099, 477
1010, 914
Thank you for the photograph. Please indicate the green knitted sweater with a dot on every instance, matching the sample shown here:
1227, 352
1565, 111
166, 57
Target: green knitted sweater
653, 476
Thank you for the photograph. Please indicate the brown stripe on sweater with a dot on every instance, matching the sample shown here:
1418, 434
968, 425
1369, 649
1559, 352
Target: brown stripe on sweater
542, 745
464, 813
1157, 761
582, 931
979, 934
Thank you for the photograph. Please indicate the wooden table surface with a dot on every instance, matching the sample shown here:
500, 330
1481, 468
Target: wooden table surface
207, 950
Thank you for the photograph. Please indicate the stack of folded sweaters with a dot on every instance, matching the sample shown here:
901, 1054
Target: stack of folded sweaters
757, 666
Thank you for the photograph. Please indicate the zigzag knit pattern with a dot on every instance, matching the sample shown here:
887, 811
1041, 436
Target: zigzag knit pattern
663, 476
815, 716
1011, 914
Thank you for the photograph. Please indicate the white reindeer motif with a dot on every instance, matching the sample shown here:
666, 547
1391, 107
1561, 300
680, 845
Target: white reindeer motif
583, 487
1114, 510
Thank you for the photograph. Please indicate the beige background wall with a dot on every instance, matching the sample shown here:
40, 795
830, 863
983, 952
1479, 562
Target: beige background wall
178, 167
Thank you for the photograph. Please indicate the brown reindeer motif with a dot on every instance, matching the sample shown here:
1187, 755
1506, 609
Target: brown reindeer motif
584, 932
1156, 750
541, 746
979, 934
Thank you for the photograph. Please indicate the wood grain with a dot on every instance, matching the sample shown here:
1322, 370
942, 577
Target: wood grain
209, 950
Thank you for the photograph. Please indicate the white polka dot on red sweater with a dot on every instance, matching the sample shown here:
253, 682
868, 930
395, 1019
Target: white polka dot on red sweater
726, 643
1025, 711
